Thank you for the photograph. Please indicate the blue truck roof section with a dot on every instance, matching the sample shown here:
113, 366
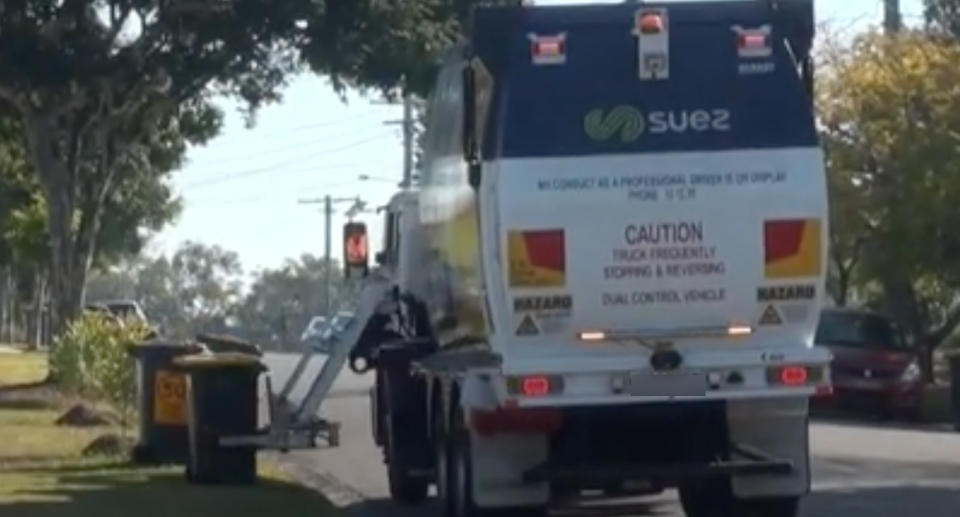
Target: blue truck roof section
593, 101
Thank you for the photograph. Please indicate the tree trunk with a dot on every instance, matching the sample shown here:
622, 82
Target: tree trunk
843, 287
926, 361
64, 303
36, 330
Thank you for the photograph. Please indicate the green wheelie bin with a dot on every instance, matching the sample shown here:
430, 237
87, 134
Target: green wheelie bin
222, 400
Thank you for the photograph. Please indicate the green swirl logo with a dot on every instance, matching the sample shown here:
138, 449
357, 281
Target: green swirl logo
625, 120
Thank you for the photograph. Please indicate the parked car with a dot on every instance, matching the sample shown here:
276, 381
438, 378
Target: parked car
873, 364
123, 311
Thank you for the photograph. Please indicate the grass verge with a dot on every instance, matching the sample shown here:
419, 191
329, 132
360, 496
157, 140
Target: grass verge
42, 471
23, 368
108, 488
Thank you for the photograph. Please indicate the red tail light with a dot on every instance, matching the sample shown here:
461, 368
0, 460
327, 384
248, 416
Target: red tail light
793, 376
538, 386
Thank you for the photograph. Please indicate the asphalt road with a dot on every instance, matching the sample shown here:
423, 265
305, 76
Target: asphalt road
860, 469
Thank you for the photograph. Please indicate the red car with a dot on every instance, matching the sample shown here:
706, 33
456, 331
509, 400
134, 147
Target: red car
873, 365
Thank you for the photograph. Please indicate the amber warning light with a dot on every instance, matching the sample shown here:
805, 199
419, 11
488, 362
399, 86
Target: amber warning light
355, 248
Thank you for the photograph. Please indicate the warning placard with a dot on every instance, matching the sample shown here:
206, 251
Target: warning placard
536, 258
771, 317
169, 398
527, 327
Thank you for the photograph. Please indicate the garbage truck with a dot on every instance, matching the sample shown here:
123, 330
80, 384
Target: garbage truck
607, 278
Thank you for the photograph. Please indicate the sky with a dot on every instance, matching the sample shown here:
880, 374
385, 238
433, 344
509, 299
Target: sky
242, 190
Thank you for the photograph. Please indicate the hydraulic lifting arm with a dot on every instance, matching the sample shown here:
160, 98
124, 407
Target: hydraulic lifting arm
296, 426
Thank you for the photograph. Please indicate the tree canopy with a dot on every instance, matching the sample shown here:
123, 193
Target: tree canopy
199, 289
888, 107
101, 86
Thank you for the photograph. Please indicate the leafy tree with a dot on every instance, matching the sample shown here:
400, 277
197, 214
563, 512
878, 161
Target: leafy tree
207, 281
888, 108
95, 82
943, 15
195, 290
281, 302
198, 290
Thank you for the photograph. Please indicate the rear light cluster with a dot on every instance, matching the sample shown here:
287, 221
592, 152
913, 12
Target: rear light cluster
535, 385
792, 376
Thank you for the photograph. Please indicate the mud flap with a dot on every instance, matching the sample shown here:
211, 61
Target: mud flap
499, 461
498, 465
779, 428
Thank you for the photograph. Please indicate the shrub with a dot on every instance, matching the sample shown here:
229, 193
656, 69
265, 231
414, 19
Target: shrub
91, 359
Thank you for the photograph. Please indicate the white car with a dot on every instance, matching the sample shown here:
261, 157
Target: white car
314, 329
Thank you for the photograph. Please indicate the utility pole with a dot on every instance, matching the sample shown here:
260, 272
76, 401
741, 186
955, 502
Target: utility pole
327, 253
407, 141
407, 125
892, 20
328, 202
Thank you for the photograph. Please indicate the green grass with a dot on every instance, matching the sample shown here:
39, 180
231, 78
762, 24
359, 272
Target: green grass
43, 474
42, 471
108, 490
23, 368
28, 435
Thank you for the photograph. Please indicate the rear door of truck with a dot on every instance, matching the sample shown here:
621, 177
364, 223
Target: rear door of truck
690, 209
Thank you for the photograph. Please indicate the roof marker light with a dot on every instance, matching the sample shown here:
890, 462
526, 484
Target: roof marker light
649, 23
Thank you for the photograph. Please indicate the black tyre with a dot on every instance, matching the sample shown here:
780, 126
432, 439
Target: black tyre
441, 443
770, 507
714, 498
404, 488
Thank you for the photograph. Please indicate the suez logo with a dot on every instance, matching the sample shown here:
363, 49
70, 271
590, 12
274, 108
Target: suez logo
629, 123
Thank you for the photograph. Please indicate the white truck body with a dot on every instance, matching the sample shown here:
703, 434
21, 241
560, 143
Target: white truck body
640, 242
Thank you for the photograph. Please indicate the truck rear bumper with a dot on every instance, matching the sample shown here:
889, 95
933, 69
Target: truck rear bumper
668, 474
704, 376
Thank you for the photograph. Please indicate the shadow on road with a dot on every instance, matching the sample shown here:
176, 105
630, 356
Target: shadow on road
868, 421
619, 508
898, 501
860, 502
387, 508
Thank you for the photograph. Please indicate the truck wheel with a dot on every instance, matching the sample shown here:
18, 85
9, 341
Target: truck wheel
404, 488
714, 498
770, 507
441, 443
461, 480
707, 498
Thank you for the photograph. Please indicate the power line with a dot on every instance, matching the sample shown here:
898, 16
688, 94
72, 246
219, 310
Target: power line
285, 198
266, 170
291, 130
281, 165
288, 147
